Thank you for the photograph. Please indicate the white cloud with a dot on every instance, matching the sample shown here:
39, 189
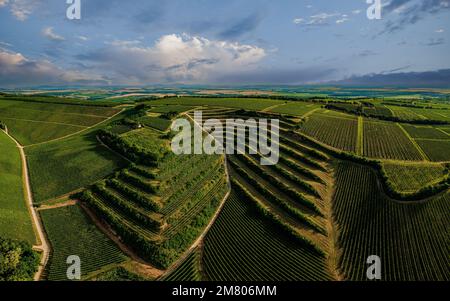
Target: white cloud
3, 2
440, 30
319, 19
16, 69
83, 38
340, 21
356, 12
51, 35
181, 58
21, 9
298, 21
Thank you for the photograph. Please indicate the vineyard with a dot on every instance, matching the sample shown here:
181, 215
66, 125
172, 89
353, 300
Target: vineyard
436, 150
424, 132
158, 207
78, 237
387, 141
340, 133
412, 177
244, 245
402, 235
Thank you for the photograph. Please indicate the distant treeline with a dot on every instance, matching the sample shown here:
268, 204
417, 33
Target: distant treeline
58, 100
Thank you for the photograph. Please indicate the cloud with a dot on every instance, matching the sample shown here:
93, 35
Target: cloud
17, 70
435, 42
21, 9
321, 19
3, 2
366, 53
356, 11
440, 30
438, 78
241, 27
51, 35
83, 38
407, 12
174, 58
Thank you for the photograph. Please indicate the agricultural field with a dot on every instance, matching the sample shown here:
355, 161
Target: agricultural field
170, 108
424, 132
15, 220
265, 253
160, 124
295, 108
162, 201
385, 140
239, 103
62, 166
188, 270
338, 132
411, 177
72, 233
34, 122
436, 150
403, 235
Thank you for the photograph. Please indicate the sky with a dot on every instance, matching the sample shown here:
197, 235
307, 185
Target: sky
149, 42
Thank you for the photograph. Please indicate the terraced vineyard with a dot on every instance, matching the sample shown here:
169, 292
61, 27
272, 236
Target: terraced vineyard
72, 233
387, 141
159, 207
187, 271
403, 235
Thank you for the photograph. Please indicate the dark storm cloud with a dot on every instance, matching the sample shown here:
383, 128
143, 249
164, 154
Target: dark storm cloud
439, 78
410, 12
241, 27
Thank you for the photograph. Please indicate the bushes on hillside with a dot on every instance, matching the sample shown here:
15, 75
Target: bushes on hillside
2, 125
129, 150
18, 262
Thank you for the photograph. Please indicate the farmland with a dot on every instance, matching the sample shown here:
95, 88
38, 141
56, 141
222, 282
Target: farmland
404, 235
339, 132
411, 177
15, 220
116, 188
78, 237
436, 150
62, 166
387, 141
34, 122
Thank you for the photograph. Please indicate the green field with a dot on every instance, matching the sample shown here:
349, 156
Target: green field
338, 132
15, 220
436, 150
62, 166
240, 103
426, 132
410, 239
160, 124
387, 141
243, 245
295, 108
34, 122
72, 233
412, 177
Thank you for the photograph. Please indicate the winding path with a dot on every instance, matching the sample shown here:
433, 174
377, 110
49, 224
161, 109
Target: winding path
37, 224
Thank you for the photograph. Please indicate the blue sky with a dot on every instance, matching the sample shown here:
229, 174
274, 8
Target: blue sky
145, 42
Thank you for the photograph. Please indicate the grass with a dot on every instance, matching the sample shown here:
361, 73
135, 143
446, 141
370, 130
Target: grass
36, 122
71, 233
15, 220
412, 177
59, 167
436, 150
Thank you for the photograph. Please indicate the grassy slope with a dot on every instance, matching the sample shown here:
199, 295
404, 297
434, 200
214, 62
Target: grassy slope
15, 220
32, 122
71, 233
